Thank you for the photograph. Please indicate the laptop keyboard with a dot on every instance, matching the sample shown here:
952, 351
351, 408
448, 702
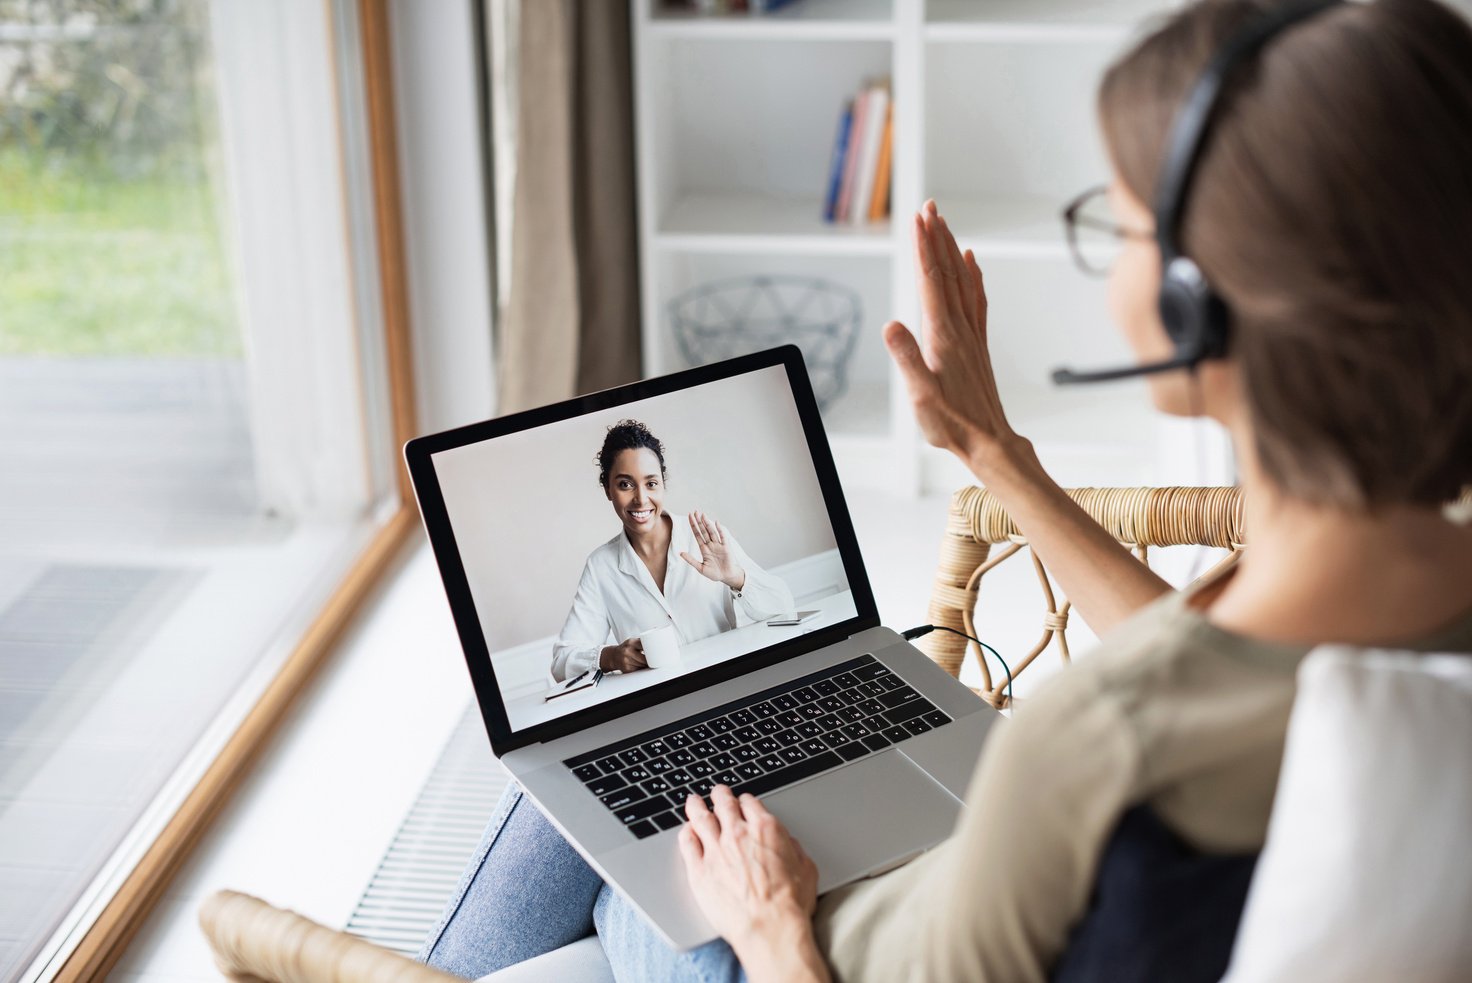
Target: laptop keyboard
758, 744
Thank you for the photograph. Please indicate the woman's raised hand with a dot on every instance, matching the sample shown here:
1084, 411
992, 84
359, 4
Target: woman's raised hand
626, 656
717, 560
951, 383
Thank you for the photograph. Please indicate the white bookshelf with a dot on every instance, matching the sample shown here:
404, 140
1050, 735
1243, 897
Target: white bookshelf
994, 118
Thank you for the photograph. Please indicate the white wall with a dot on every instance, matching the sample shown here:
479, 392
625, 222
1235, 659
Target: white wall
527, 509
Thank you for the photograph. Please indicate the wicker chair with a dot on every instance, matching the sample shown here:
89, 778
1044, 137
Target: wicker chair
1138, 517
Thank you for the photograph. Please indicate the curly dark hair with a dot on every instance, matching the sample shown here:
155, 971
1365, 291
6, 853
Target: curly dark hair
627, 435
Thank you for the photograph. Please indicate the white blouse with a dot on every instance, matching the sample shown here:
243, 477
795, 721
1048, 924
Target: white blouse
617, 599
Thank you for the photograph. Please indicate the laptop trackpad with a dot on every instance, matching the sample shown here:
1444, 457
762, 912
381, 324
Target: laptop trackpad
867, 816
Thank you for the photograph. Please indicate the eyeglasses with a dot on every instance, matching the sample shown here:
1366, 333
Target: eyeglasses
1094, 238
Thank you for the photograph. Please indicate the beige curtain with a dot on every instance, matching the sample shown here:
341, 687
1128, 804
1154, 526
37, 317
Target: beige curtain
570, 323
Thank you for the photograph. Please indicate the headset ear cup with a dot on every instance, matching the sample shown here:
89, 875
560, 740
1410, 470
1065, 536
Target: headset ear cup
1195, 318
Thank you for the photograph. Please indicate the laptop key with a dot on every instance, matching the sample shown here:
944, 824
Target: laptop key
783, 777
873, 687
726, 742
764, 709
871, 671
825, 687
876, 742
634, 756
701, 732
702, 786
604, 784
851, 750
851, 696
793, 754
746, 752
851, 714
655, 747
895, 733
935, 718
844, 680
679, 740
667, 820
857, 731
917, 726
830, 721
813, 746
894, 698
831, 704
682, 757
745, 734
658, 766
655, 786
890, 682
726, 778
743, 717
787, 738
638, 773
643, 829
677, 797
588, 772
768, 745
642, 809
721, 725
809, 728
810, 711
768, 726
610, 764
772, 762
724, 760
749, 769
872, 707
700, 769
623, 798
703, 750
784, 702
789, 718
805, 694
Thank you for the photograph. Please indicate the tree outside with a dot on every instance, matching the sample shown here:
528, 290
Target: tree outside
111, 237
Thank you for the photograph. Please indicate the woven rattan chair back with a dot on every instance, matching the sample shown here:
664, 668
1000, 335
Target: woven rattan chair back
252, 942
1140, 518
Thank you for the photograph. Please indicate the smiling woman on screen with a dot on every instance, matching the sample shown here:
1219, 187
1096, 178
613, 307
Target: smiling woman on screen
661, 569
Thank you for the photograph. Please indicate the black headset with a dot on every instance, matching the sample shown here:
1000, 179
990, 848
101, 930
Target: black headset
1196, 319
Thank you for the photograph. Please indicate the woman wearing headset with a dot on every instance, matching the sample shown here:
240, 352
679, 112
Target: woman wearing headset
1329, 211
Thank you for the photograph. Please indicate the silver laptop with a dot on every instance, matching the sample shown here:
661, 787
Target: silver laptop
783, 684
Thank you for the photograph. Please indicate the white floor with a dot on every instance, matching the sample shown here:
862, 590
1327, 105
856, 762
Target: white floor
308, 829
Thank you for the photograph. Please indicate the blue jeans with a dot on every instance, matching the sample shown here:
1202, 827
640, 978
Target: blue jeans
526, 892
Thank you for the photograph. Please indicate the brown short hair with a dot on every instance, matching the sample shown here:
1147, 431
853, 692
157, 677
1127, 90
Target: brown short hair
1332, 210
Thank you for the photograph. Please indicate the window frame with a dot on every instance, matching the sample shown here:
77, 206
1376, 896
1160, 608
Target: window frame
123, 897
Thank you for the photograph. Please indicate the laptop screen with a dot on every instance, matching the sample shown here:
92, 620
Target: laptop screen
623, 544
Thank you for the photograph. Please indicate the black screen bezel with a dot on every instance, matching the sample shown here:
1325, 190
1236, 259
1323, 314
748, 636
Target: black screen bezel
418, 455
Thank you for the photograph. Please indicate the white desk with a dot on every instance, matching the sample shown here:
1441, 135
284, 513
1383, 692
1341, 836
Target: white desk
531, 709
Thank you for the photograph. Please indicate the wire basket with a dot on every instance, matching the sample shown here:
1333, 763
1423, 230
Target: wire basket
726, 318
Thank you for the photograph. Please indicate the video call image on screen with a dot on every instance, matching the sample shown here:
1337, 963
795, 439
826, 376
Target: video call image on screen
560, 530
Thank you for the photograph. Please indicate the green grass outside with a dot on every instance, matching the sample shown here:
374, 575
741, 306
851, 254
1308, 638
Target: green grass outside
100, 267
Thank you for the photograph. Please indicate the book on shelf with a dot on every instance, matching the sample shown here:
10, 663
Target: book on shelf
862, 161
836, 162
851, 157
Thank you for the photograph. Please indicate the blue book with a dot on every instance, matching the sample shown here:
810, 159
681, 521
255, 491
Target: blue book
835, 167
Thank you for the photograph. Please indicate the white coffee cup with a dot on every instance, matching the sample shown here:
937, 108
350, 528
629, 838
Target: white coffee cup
661, 646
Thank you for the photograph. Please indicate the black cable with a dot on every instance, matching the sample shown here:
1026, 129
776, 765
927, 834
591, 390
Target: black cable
913, 633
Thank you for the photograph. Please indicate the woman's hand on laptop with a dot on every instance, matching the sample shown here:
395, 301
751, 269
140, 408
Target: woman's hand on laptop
950, 380
755, 884
626, 656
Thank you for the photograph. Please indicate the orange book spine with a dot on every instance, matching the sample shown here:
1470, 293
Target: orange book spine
879, 204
